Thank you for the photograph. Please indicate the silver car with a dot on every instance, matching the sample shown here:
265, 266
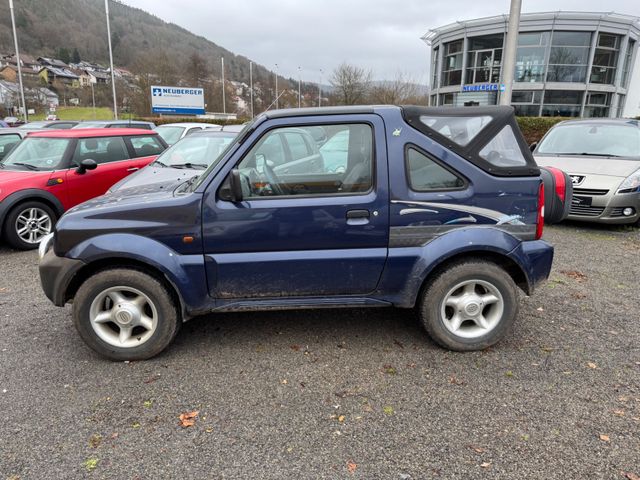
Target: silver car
602, 157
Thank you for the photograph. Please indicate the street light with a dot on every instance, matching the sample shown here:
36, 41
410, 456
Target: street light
320, 89
277, 86
251, 85
15, 41
224, 100
299, 88
511, 45
113, 75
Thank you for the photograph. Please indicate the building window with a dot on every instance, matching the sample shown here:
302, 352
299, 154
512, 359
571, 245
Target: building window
435, 53
626, 69
569, 56
562, 103
452, 67
597, 104
448, 98
605, 59
526, 102
530, 57
484, 59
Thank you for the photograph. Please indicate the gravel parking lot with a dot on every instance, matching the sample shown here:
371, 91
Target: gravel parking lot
340, 393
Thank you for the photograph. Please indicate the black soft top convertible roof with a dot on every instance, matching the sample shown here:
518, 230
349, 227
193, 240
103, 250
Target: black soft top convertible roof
500, 117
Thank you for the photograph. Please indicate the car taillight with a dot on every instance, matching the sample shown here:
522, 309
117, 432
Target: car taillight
540, 223
561, 187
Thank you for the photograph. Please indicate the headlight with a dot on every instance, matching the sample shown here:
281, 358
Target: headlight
45, 244
631, 183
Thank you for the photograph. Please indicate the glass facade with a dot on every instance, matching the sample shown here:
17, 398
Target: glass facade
605, 59
559, 70
452, 65
569, 57
484, 59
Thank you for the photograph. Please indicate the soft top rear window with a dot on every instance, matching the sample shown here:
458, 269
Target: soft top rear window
460, 130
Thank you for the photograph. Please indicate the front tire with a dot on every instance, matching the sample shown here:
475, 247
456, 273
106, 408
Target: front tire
27, 224
125, 314
469, 306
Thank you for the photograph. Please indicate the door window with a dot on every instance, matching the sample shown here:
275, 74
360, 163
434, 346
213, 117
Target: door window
7, 142
342, 165
146, 146
101, 150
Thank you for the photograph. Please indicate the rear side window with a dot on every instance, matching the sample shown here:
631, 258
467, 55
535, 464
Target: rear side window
146, 146
426, 175
460, 130
503, 150
101, 150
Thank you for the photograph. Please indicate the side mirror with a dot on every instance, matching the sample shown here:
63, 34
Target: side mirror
533, 146
86, 165
231, 189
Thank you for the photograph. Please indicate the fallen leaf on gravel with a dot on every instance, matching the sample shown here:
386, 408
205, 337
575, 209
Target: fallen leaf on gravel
188, 419
618, 413
578, 295
631, 476
623, 399
135, 425
95, 440
284, 382
90, 464
341, 418
575, 274
389, 369
388, 410
455, 381
147, 403
546, 349
351, 467
592, 365
477, 449
509, 373
295, 348
605, 438
540, 309
485, 464
209, 430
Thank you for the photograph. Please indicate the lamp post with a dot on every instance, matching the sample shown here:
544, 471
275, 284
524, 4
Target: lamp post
511, 44
113, 75
277, 86
224, 100
251, 85
320, 89
15, 41
299, 87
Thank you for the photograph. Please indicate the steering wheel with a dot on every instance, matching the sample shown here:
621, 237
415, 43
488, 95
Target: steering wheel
272, 179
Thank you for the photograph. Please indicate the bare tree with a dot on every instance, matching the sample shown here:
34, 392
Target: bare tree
196, 70
399, 91
351, 84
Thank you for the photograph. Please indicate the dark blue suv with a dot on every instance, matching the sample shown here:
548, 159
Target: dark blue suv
437, 209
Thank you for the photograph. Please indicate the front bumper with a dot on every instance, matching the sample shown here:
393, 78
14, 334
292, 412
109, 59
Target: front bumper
607, 208
56, 273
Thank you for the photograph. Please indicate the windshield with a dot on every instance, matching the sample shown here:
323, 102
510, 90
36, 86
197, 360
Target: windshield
170, 134
607, 140
37, 153
197, 151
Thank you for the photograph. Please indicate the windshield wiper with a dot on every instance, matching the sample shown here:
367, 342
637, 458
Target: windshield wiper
159, 163
20, 164
587, 154
190, 165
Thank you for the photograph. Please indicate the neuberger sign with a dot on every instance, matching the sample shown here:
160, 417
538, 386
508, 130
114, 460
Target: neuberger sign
177, 100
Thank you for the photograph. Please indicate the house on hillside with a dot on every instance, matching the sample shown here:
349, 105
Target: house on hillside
47, 97
62, 75
10, 73
51, 62
9, 93
27, 62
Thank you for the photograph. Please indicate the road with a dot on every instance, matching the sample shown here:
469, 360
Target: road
339, 393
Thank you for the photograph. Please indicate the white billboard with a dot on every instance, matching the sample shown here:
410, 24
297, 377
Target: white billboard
177, 100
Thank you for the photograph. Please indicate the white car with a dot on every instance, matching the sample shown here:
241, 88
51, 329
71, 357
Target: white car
172, 132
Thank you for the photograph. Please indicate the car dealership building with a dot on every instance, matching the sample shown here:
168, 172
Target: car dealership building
568, 64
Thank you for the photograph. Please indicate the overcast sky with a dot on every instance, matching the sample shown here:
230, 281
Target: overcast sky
383, 36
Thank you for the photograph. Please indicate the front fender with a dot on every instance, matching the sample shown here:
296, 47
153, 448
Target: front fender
185, 272
29, 194
408, 267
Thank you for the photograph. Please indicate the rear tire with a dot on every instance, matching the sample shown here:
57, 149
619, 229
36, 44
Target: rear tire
125, 314
27, 223
469, 306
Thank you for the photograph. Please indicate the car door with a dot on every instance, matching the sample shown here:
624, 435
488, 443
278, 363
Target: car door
111, 155
308, 234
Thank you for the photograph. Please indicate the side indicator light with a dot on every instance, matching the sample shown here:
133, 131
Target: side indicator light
187, 239
54, 181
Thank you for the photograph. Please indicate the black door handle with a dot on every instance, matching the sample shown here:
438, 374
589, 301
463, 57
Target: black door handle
354, 214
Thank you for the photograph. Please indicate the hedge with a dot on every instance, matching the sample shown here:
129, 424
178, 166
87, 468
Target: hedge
534, 128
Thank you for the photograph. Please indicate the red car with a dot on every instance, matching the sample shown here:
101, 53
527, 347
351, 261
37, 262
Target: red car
49, 172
